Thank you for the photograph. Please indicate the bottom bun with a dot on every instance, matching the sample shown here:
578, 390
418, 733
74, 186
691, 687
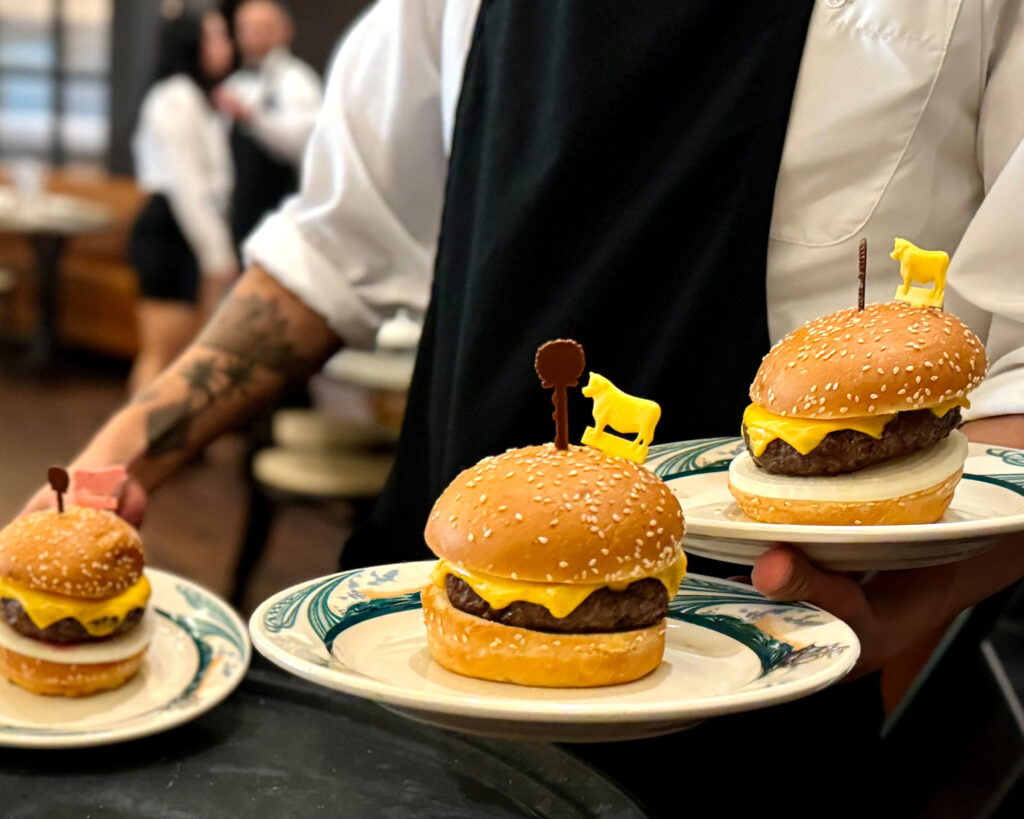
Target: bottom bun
925, 506
66, 680
475, 647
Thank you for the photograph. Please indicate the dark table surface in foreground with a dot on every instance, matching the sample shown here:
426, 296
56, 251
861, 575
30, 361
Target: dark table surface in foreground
280, 747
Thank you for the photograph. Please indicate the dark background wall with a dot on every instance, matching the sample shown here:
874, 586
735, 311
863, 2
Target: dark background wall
319, 25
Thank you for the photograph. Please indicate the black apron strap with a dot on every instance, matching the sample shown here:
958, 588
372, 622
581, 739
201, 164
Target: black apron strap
611, 180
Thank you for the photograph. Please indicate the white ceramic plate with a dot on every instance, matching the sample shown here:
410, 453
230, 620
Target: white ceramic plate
728, 649
199, 654
989, 502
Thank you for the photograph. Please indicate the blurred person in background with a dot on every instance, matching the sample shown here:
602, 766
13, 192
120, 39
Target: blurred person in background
272, 102
181, 242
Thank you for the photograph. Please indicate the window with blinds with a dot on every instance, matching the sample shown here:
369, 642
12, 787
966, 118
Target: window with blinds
55, 80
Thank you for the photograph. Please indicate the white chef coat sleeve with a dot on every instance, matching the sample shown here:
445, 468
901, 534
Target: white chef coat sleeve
178, 129
986, 268
284, 129
358, 241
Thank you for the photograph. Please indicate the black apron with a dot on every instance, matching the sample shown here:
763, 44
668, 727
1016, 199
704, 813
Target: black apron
161, 255
611, 180
262, 181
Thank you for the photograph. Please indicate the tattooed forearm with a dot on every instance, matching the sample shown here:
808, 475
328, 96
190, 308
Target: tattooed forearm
167, 428
253, 329
248, 335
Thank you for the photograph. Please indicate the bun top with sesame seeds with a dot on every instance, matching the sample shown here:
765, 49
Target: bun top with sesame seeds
557, 516
83, 552
889, 357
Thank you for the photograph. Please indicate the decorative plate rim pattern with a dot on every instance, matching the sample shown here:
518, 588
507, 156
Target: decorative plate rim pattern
1001, 467
296, 628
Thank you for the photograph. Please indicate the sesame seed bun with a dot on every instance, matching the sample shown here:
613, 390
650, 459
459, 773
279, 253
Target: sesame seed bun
557, 516
82, 552
915, 489
487, 650
926, 506
66, 679
887, 358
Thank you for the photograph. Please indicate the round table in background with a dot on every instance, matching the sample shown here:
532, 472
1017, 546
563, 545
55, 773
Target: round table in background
47, 220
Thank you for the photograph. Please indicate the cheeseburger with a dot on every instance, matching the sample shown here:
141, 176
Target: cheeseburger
72, 600
556, 568
854, 419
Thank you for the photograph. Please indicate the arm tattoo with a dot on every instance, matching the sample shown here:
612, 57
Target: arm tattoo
252, 329
252, 332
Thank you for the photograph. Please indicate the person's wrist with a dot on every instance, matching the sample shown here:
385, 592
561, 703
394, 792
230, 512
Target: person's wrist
1000, 430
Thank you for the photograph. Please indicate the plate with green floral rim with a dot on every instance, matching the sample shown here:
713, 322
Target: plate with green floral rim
728, 649
199, 654
988, 503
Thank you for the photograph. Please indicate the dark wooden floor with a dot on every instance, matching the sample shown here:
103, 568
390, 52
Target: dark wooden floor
194, 522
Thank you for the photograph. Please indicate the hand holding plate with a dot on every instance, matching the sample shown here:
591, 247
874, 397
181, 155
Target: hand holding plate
889, 612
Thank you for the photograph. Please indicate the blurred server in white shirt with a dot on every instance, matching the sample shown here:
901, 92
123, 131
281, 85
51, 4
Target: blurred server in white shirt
272, 102
181, 242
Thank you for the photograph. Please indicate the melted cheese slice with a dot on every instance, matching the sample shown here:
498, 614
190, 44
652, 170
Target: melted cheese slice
99, 617
942, 409
558, 598
804, 434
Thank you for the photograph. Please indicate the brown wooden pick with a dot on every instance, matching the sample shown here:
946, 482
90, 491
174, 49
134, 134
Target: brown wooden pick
863, 276
560, 364
59, 480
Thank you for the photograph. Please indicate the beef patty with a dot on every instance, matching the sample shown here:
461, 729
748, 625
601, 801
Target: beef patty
67, 630
847, 450
641, 604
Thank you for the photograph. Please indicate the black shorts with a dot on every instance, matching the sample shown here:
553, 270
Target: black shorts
166, 266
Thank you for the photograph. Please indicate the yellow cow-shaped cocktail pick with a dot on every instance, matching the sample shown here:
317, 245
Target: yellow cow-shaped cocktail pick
924, 266
624, 413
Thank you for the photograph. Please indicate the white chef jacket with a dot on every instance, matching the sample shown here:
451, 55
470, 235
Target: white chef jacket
284, 95
180, 148
907, 120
